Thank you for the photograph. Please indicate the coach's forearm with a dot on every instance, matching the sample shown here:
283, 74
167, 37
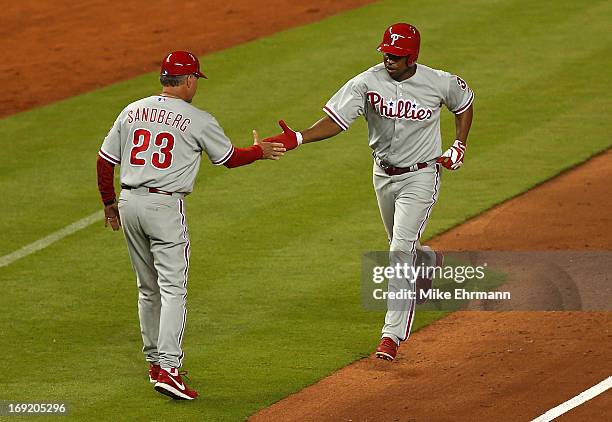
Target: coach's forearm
106, 172
244, 156
323, 129
463, 122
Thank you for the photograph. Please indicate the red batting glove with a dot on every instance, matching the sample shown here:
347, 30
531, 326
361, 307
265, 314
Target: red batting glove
289, 137
452, 158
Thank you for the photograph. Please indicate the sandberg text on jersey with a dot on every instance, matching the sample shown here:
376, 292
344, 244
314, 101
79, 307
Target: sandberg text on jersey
154, 115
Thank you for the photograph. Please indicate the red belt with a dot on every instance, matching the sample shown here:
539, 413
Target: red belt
394, 171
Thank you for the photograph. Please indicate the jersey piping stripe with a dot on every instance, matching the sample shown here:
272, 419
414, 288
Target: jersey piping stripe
225, 157
334, 116
467, 105
108, 157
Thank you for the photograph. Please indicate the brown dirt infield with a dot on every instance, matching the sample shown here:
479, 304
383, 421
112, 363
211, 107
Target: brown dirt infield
468, 366
490, 366
62, 48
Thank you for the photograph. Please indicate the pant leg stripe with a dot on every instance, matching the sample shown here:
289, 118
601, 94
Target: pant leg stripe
434, 198
410, 320
183, 324
186, 251
182, 211
412, 305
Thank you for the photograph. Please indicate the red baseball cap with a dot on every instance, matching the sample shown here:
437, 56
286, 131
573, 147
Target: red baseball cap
181, 63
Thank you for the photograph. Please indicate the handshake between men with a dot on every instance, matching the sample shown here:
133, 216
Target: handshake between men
270, 148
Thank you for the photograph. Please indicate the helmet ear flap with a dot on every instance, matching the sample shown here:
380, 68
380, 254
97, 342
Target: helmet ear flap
412, 57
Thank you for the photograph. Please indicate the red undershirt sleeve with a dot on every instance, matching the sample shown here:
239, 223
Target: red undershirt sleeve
244, 156
106, 175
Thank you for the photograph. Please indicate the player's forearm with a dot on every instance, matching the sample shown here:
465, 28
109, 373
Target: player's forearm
106, 176
323, 129
244, 156
463, 122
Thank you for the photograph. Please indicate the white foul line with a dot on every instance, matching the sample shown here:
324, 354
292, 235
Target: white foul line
52, 238
576, 401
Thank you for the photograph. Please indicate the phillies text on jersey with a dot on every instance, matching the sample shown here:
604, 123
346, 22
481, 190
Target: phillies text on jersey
400, 108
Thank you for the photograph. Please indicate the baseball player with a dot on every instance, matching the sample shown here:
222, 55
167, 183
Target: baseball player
159, 141
401, 101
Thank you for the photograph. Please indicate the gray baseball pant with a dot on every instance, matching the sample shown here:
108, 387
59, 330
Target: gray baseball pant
158, 243
405, 202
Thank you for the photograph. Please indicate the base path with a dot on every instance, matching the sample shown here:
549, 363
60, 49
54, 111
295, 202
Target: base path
60, 48
501, 366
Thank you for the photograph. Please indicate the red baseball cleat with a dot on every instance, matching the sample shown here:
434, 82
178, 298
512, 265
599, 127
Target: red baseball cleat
425, 284
387, 349
169, 382
153, 372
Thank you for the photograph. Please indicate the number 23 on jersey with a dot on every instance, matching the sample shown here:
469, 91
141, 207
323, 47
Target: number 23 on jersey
163, 144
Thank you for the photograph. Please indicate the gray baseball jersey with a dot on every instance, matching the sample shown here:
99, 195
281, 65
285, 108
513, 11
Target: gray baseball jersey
159, 141
403, 117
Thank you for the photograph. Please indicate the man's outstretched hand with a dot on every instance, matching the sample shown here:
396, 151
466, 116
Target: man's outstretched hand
271, 150
289, 137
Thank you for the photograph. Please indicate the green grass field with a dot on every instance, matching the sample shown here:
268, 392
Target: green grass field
274, 295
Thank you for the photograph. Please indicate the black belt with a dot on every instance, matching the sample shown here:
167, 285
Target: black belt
151, 190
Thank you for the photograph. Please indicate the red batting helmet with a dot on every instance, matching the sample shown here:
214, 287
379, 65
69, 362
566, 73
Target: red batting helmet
181, 63
401, 39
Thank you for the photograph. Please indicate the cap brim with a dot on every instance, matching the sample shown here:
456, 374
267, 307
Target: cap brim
391, 49
201, 75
